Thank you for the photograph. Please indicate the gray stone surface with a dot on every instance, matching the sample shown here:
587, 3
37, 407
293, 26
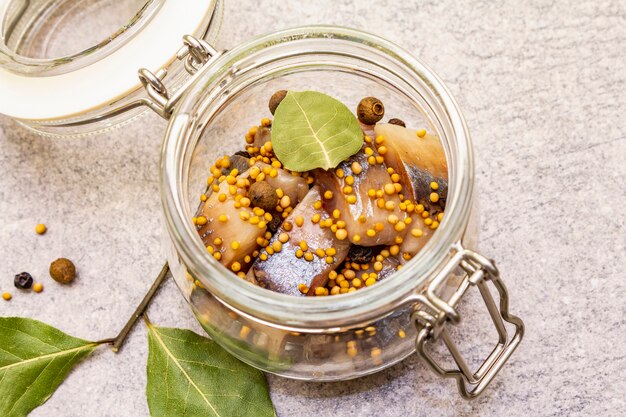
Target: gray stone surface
543, 87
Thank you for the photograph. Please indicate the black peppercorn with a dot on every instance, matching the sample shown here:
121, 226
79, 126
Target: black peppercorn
23, 281
397, 122
275, 100
360, 254
370, 110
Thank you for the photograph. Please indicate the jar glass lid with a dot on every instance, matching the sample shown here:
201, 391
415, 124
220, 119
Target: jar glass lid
71, 62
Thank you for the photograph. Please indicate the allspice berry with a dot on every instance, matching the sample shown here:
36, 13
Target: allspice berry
397, 122
63, 270
263, 195
276, 98
370, 110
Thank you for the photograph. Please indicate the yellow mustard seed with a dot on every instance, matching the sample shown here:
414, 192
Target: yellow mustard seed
201, 220
285, 201
394, 250
247, 259
303, 288
203, 197
356, 238
330, 260
262, 224
217, 255
236, 267
347, 189
303, 245
378, 266
434, 197
335, 290
434, 225
38, 287
351, 199
356, 168
371, 193
244, 332
380, 203
277, 246
341, 234
440, 216
371, 160
421, 133
320, 291
389, 189
379, 226
217, 241
362, 219
370, 281
299, 253
328, 194
283, 237
382, 150
7, 296
308, 256
40, 229
393, 219
417, 232
210, 249
434, 185
317, 205
222, 218
316, 218
399, 226
265, 122
356, 283
263, 257
390, 205
320, 252
269, 250
401, 333
428, 221
299, 221
371, 232
336, 213
235, 245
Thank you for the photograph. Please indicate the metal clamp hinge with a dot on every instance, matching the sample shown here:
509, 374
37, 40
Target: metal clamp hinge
196, 54
432, 320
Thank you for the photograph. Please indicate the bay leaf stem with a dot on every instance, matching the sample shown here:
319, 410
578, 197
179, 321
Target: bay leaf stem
118, 342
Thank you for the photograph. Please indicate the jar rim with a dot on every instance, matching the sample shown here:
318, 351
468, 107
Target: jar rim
312, 313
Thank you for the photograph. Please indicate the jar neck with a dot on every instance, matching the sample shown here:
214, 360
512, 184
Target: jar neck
304, 49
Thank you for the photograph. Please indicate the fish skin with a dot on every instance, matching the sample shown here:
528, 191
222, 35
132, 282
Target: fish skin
283, 271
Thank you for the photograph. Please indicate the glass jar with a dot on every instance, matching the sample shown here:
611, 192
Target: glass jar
209, 98
346, 336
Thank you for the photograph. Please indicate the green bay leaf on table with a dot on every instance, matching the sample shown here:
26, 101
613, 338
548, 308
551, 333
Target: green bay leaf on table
313, 130
34, 360
190, 375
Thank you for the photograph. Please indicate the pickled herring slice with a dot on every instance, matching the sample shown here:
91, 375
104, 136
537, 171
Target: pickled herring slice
228, 229
366, 217
282, 270
418, 160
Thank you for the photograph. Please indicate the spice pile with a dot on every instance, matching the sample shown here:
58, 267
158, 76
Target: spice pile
284, 215
61, 270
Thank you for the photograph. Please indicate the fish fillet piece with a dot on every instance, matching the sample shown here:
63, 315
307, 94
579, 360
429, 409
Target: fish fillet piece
234, 229
364, 213
418, 161
283, 271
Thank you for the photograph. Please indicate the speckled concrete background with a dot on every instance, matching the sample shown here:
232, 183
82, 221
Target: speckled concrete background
543, 86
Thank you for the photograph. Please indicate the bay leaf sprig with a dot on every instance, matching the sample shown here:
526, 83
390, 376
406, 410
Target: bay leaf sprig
313, 130
34, 359
200, 378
